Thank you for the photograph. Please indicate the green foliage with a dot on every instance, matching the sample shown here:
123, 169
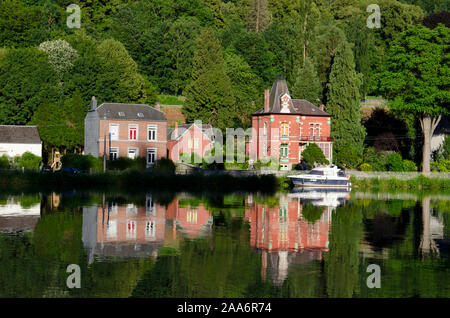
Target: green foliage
28, 161
312, 213
394, 162
343, 104
313, 154
4, 162
409, 165
124, 163
26, 81
441, 165
209, 97
375, 158
444, 150
307, 85
164, 165
365, 167
82, 162
170, 100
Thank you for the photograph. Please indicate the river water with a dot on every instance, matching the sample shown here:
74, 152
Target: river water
298, 244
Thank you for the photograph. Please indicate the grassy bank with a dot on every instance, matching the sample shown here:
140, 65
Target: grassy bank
420, 182
136, 180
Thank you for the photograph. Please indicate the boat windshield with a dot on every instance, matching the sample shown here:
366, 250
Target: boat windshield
316, 172
341, 173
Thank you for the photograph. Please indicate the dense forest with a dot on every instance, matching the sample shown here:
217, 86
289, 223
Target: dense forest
219, 54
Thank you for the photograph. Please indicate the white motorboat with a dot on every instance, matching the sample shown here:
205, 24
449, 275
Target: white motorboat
322, 177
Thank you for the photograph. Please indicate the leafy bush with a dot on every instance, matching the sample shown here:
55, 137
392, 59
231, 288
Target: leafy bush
365, 167
4, 162
164, 165
82, 162
377, 159
444, 150
395, 162
191, 158
313, 154
442, 165
28, 161
269, 163
347, 156
409, 165
124, 163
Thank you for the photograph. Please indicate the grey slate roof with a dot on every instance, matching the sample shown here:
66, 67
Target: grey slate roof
130, 112
296, 106
19, 134
206, 129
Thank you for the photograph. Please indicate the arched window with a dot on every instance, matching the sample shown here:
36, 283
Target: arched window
284, 130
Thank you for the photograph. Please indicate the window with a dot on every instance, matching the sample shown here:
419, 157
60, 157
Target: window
113, 208
111, 229
113, 153
114, 131
265, 129
283, 211
150, 205
131, 229
132, 153
325, 149
151, 155
150, 229
191, 217
193, 143
264, 150
311, 130
131, 209
317, 130
284, 150
284, 130
300, 130
141, 115
132, 132
121, 114
151, 133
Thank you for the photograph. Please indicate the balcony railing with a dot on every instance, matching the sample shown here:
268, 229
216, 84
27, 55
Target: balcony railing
315, 138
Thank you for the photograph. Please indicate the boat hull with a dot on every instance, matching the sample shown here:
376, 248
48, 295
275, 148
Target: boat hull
320, 182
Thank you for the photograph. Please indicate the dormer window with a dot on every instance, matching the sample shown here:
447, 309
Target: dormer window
285, 100
121, 114
141, 115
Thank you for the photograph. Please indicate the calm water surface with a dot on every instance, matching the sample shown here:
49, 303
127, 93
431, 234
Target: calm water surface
299, 244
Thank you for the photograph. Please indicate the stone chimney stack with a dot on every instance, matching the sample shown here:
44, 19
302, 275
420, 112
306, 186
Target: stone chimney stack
175, 131
266, 100
157, 106
322, 107
93, 103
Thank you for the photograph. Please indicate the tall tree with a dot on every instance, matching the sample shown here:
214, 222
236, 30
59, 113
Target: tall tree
343, 104
259, 16
209, 97
418, 79
307, 84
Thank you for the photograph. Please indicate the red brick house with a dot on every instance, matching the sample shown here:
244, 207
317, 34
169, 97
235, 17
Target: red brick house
188, 139
131, 130
285, 126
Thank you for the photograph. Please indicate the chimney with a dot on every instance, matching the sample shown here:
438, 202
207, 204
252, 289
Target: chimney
321, 107
93, 103
266, 100
175, 131
157, 105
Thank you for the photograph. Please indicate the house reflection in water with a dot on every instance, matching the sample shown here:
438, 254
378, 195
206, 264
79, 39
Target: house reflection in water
284, 237
124, 230
190, 221
16, 218
138, 231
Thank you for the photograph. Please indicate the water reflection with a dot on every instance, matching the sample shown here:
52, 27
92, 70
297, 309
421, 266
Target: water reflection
299, 244
19, 215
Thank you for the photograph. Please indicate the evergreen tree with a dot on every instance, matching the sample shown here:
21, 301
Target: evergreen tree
209, 97
343, 104
259, 16
307, 84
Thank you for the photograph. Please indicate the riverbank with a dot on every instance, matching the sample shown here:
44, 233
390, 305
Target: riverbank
419, 182
137, 180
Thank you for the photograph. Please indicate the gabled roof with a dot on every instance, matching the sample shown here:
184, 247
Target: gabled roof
295, 106
206, 129
19, 134
130, 112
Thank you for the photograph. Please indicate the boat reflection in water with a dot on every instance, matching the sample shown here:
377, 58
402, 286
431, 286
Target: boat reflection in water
293, 232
